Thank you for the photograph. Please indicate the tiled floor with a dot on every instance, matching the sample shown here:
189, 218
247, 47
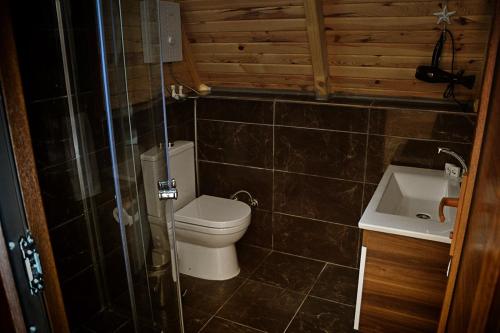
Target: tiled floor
275, 292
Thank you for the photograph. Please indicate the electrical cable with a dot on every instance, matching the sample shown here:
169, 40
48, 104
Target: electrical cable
449, 92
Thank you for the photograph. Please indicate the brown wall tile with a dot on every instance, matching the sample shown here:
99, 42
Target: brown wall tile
318, 240
383, 151
443, 126
333, 117
71, 246
223, 180
320, 198
260, 231
235, 143
317, 152
247, 111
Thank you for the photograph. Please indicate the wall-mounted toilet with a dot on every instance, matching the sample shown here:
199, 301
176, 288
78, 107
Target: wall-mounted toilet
206, 227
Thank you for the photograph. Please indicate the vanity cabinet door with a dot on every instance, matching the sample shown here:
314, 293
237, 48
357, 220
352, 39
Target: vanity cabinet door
404, 283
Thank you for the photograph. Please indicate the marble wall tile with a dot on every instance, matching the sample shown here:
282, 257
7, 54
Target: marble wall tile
247, 111
384, 150
108, 228
114, 266
368, 192
338, 284
61, 193
320, 198
244, 144
40, 81
223, 180
317, 315
318, 240
335, 117
444, 126
51, 132
324, 153
71, 246
81, 298
260, 231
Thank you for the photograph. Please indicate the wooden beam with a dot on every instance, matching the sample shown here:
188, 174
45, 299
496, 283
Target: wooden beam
191, 64
317, 45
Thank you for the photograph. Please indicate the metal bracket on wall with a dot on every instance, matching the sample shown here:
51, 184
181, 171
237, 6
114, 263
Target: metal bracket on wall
32, 264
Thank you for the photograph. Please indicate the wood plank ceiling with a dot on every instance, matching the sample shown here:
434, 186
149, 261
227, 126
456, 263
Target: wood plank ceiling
372, 46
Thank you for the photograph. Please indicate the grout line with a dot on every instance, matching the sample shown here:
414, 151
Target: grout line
235, 165
305, 298
332, 301
240, 324
235, 122
284, 171
365, 167
122, 325
326, 262
296, 312
317, 220
232, 295
309, 295
321, 129
422, 139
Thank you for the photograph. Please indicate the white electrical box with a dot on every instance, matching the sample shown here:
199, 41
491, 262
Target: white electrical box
170, 30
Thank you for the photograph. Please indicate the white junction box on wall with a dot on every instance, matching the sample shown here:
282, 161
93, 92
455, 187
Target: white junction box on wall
171, 35
170, 30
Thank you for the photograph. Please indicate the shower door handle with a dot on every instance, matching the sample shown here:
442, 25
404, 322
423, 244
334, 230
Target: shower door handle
167, 189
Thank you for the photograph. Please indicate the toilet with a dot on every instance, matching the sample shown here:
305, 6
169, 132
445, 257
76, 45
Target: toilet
206, 227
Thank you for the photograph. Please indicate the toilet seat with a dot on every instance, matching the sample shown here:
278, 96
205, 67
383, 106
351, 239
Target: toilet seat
213, 215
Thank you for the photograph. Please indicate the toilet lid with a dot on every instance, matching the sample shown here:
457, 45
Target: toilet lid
214, 212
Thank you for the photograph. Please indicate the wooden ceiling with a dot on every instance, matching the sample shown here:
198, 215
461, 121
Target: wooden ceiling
367, 47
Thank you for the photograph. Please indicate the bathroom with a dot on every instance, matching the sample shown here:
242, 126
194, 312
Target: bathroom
249, 166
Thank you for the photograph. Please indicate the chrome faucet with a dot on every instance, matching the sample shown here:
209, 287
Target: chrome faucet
459, 158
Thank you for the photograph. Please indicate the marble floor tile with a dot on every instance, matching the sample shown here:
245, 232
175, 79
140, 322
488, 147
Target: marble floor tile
262, 306
317, 315
337, 283
219, 325
249, 258
288, 272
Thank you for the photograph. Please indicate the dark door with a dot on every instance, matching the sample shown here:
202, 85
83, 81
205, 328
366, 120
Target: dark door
14, 227
475, 301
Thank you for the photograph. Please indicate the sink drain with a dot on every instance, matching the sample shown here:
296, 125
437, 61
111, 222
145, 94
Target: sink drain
423, 216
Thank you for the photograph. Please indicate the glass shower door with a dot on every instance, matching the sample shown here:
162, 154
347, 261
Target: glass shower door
133, 89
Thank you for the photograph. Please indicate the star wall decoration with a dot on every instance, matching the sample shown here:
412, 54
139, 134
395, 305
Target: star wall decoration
444, 15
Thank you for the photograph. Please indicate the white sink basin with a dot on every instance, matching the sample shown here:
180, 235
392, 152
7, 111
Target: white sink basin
406, 203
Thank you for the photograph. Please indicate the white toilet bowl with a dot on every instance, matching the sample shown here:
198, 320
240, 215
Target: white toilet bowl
206, 232
206, 227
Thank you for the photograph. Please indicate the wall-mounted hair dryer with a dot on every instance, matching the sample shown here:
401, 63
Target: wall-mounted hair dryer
434, 74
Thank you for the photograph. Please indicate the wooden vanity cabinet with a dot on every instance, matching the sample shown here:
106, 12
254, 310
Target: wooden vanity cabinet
403, 284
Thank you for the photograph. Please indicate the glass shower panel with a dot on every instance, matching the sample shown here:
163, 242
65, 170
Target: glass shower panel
133, 85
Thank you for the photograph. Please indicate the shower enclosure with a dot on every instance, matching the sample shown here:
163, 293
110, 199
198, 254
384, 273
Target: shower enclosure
133, 255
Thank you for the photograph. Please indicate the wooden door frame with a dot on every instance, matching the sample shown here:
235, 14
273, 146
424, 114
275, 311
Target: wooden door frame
17, 118
465, 201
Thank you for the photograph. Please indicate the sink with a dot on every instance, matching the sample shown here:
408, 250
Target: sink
406, 203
